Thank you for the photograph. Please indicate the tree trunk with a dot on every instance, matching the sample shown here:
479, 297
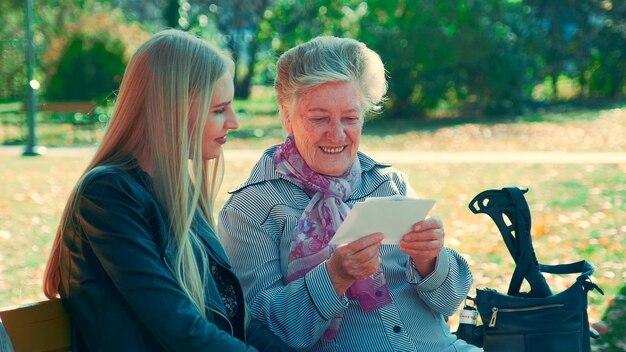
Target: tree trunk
170, 13
584, 86
554, 78
243, 85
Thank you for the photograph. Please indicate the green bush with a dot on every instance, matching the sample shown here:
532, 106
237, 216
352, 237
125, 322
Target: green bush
90, 69
615, 338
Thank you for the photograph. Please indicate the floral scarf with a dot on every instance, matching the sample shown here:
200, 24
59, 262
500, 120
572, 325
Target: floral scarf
318, 224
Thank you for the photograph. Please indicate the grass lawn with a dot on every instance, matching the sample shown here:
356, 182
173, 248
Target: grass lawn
578, 209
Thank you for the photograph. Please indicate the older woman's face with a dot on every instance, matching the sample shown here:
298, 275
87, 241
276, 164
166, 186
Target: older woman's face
326, 125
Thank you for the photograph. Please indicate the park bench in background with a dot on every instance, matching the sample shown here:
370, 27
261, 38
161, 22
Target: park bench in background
80, 114
12, 117
84, 107
40, 326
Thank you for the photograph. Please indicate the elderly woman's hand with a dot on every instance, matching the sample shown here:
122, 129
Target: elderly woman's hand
423, 244
354, 261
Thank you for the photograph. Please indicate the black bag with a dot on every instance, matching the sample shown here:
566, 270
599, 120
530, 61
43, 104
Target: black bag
537, 320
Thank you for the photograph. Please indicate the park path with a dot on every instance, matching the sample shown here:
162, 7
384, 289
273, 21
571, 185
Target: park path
401, 157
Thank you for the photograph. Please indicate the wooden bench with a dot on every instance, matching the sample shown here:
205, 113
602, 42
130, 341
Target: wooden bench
40, 326
80, 114
12, 120
83, 107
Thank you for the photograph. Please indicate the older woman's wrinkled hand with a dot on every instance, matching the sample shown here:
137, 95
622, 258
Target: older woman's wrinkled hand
354, 261
423, 244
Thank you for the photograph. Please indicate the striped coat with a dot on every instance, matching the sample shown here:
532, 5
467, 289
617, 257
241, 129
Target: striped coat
256, 225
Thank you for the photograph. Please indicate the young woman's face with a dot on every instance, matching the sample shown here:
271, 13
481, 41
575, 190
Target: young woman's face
221, 118
326, 125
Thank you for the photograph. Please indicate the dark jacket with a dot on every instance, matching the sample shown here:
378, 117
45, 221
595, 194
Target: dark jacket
117, 279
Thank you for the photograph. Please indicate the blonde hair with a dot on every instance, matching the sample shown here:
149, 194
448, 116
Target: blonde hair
330, 59
151, 119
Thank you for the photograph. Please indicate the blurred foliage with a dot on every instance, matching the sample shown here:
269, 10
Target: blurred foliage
473, 58
66, 26
12, 51
108, 24
479, 56
468, 57
615, 321
90, 69
87, 61
239, 20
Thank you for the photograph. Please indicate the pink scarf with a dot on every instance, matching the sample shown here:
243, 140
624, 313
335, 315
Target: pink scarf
318, 224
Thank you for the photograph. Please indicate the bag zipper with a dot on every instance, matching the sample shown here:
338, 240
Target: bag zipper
495, 310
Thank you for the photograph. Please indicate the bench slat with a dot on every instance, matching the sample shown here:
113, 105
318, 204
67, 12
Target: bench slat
84, 107
40, 326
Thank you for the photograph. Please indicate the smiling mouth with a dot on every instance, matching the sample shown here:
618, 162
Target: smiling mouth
333, 150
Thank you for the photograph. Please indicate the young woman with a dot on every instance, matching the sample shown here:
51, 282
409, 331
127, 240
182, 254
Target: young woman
136, 260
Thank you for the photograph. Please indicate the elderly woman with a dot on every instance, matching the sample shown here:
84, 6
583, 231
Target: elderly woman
276, 227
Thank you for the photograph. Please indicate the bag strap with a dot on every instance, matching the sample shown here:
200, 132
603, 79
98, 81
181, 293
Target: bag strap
582, 267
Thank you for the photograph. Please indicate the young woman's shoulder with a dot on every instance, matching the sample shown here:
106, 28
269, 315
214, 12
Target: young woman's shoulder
115, 180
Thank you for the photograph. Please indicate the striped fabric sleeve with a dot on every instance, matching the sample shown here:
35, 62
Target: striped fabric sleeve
323, 293
447, 286
287, 309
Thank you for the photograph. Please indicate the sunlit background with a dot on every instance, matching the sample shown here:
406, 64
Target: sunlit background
481, 76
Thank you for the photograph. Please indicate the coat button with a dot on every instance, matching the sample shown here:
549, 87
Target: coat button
397, 329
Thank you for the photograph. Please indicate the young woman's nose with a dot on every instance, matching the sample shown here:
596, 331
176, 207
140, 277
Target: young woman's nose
232, 121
